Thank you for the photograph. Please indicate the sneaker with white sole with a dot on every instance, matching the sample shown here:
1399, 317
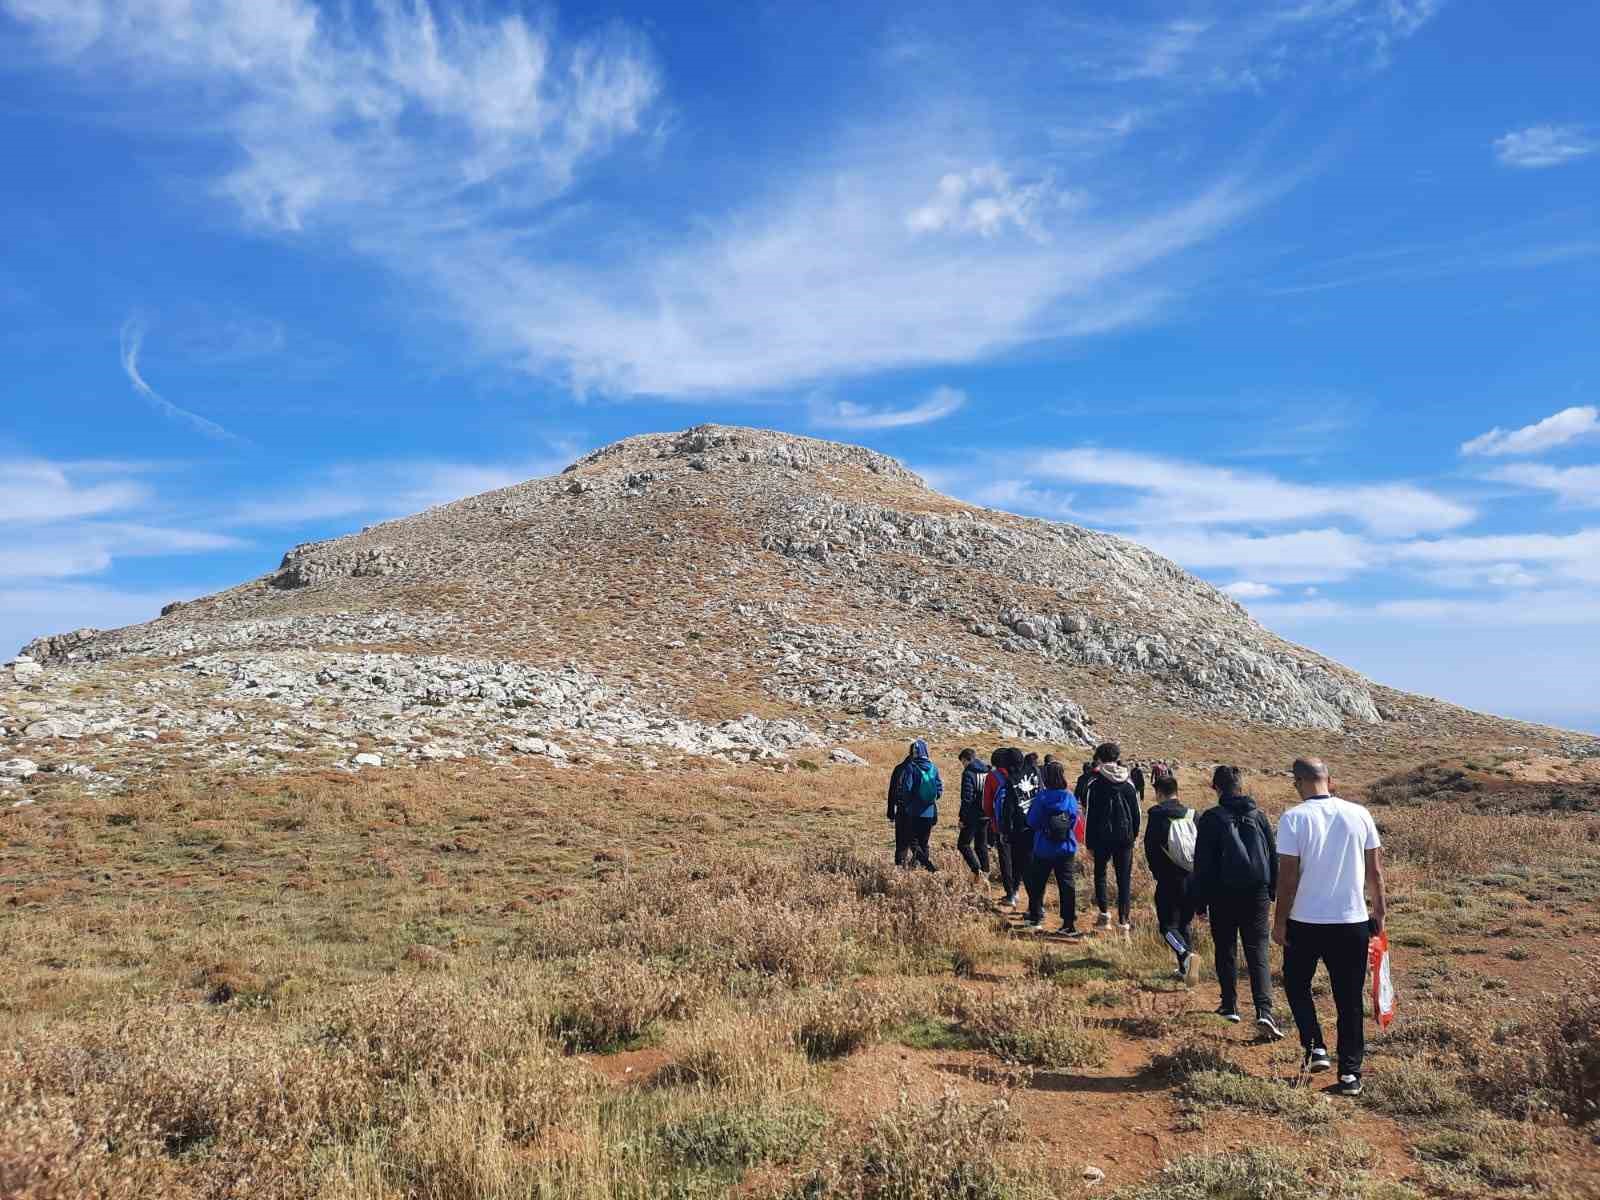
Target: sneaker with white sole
1229, 1014
1268, 1028
1032, 925
1008, 902
1316, 1061
1125, 926
1103, 921
1348, 1085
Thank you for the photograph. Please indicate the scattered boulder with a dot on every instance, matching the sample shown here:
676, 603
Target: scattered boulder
845, 758
367, 759
18, 768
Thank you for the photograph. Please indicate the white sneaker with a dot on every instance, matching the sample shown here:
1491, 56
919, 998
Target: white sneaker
1103, 921
1126, 926
1268, 1028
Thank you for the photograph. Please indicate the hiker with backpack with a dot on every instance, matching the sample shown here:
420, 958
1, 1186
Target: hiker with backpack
1236, 874
973, 841
995, 786
1053, 817
1013, 820
1331, 857
1111, 820
1169, 838
914, 792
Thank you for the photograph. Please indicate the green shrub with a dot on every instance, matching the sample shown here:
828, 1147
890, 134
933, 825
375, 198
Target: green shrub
1408, 1089
741, 1136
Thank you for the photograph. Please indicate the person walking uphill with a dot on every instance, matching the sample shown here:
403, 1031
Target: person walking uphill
1111, 827
1236, 874
973, 841
1053, 817
1169, 838
1331, 858
914, 792
1012, 813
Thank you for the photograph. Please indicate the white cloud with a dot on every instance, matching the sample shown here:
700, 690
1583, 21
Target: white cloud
1173, 492
87, 548
1544, 146
31, 611
1250, 589
1577, 486
132, 344
36, 491
846, 414
1552, 607
1574, 557
1557, 430
984, 201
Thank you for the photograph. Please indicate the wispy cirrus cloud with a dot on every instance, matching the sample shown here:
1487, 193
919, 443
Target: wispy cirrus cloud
1540, 146
132, 345
847, 414
1575, 486
1556, 430
38, 491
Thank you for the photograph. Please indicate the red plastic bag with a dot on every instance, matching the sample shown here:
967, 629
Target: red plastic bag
1078, 833
1383, 999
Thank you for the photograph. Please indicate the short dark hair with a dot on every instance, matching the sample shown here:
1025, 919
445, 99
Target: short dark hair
1054, 775
1165, 780
1049, 758
1108, 752
1030, 759
967, 755
1227, 780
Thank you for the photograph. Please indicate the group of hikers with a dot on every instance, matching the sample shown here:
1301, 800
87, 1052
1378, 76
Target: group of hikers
1303, 884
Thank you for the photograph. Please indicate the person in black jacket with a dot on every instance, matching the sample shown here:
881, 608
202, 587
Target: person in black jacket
1236, 874
973, 841
1111, 827
899, 816
1012, 815
1174, 906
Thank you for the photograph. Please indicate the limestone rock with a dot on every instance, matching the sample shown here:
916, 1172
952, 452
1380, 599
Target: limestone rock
367, 759
18, 768
845, 758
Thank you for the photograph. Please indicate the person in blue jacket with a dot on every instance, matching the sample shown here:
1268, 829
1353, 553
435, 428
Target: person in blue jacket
914, 800
1053, 817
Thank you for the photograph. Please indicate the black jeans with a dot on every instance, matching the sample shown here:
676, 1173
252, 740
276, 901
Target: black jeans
1344, 949
973, 843
1122, 858
917, 832
1246, 919
1016, 852
1039, 872
1174, 910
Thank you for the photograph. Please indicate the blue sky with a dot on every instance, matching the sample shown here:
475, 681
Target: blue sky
1304, 294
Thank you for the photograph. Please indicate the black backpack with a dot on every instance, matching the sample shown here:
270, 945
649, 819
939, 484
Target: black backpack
1244, 866
1116, 812
1024, 791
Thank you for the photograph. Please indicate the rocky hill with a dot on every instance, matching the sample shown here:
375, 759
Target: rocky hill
721, 591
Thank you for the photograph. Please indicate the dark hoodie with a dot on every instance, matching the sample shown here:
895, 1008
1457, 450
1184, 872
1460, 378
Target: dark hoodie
1156, 830
1111, 809
1209, 834
972, 790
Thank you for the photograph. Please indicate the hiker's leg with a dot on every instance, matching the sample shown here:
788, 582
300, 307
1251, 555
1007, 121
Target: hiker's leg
1124, 861
1038, 872
921, 835
1224, 936
1255, 928
1300, 954
1345, 952
964, 843
1066, 888
1102, 860
1008, 869
1021, 853
902, 839
980, 842
1168, 920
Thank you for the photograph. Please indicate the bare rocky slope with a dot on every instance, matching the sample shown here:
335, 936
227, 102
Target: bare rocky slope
722, 591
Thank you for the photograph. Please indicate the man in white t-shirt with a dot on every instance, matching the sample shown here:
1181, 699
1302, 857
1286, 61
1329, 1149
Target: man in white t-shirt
1329, 858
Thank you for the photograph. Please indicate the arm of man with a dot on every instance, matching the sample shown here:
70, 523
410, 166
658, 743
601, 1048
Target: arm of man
1272, 858
1378, 900
1288, 885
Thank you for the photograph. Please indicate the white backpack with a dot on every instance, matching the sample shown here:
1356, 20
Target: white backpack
1180, 841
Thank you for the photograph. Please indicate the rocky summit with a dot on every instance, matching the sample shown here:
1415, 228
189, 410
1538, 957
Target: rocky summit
725, 592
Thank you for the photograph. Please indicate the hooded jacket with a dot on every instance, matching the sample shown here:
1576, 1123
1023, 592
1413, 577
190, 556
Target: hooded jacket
995, 785
902, 797
972, 781
1208, 844
1156, 830
1045, 805
1019, 798
1110, 809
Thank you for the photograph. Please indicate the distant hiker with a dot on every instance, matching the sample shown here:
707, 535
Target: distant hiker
1331, 857
1081, 788
1053, 817
1169, 839
1136, 777
995, 786
899, 816
1030, 764
973, 841
915, 805
1236, 873
1111, 827
1013, 813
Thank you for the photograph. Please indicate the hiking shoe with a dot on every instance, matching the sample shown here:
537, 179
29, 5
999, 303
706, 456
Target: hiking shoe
1348, 1085
1030, 923
1316, 1061
1229, 1014
1125, 926
1190, 969
1268, 1028
1070, 932
1008, 902
1103, 921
